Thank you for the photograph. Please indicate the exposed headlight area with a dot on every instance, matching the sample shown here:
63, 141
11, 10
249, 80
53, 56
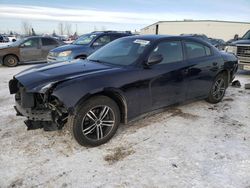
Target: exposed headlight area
59, 56
65, 53
231, 49
41, 109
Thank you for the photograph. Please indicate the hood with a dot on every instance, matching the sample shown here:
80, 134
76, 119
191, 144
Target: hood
36, 78
241, 42
69, 47
6, 45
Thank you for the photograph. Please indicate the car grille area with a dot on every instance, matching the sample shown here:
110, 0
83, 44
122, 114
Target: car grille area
243, 51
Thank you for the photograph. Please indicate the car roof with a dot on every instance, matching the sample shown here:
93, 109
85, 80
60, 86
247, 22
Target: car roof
160, 37
34, 37
126, 33
156, 37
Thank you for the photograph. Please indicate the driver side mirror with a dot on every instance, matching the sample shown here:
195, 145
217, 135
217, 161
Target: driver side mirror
154, 59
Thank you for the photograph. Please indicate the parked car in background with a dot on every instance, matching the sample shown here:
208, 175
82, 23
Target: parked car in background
12, 38
4, 39
218, 43
241, 48
27, 50
122, 80
84, 45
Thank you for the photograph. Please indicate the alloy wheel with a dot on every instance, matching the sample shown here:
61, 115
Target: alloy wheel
219, 89
98, 122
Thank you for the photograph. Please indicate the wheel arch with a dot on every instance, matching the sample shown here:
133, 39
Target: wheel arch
80, 55
113, 94
227, 74
18, 59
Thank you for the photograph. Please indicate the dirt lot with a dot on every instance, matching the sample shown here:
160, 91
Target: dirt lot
192, 145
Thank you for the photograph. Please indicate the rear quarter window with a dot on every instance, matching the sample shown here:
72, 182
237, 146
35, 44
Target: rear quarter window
196, 50
48, 42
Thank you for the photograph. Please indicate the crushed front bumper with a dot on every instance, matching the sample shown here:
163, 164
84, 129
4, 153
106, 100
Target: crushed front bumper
33, 114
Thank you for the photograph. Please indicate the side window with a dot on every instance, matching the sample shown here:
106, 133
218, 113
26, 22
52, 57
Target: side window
114, 37
48, 42
31, 43
171, 51
105, 39
195, 50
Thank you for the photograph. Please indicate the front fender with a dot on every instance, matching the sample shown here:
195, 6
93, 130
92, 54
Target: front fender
76, 95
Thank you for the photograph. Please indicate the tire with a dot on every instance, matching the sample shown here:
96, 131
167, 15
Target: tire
95, 121
10, 61
218, 89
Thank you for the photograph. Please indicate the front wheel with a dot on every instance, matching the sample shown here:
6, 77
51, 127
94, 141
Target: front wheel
10, 61
218, 89
96, 121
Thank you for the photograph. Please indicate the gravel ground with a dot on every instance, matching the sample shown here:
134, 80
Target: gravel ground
191, 145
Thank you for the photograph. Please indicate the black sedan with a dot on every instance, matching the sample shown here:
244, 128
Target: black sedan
124, 79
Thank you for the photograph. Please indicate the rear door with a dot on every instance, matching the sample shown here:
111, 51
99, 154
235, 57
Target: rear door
47, 45
30, 50
203, 67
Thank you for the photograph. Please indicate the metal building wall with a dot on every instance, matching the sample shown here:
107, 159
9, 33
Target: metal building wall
216, 29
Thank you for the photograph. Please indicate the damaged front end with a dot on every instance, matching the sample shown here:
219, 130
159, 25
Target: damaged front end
43, 110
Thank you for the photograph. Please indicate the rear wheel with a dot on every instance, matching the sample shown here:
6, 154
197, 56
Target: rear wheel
218, 89
10, 61
96, 121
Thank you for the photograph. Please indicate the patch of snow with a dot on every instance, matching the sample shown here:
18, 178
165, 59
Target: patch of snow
192, 145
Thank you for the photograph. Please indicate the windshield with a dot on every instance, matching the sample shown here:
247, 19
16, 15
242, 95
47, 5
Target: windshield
246, 36
85, 39
121, 52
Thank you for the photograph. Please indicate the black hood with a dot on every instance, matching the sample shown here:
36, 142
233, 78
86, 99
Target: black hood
237, 42
35, 78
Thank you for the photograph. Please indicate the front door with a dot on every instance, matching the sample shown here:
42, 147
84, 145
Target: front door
30, 50
100, 42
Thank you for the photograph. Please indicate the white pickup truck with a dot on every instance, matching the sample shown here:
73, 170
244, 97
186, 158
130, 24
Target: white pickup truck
241, 48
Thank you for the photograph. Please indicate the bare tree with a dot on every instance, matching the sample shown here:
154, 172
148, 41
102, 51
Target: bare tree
26, 27
60, 28
33, 33
103, 28
54, 33
68, 27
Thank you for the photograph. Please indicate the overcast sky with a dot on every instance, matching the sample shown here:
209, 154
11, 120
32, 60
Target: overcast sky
44, 15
